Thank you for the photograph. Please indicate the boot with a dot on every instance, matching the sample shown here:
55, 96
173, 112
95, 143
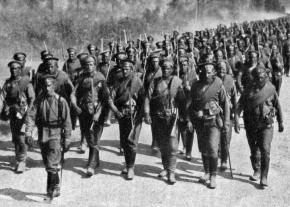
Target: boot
265, 162
56, 187
48, 184
130, 174
189, 142
21, 167
124, 171
256, 167
213, 162
171, 178
91, 162
205, 178
97, 158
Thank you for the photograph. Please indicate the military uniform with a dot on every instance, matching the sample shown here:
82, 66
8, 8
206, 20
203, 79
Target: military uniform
54, 132
209, 111
128, 98
18, 100
164, 97
92, 96
260, 105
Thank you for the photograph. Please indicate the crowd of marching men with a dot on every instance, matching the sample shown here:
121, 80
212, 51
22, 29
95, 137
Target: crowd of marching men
184, 83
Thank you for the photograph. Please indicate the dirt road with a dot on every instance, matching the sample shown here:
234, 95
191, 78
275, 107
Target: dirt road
109, 188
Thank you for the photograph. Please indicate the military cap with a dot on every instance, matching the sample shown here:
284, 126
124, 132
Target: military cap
183, 58
49, 76
150, 38
127, 62
89, 59
155, 54
130, 49
14, 62
130, 41
121, 56
205, 64
190, 41
44, 52
166, 61
51, 58
105, 53
91, 46
47, 56
71, 49
19, 56
81, 56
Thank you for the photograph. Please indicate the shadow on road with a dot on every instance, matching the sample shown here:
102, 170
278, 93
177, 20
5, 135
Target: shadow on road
19, 195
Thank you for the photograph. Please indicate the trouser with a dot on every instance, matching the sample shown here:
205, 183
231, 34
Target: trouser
225, 142
167, 142
51, 155
154, 127
18, 138
287, 64
259, 140
208, 137
92, 131
186, 136
129, 138
277, 82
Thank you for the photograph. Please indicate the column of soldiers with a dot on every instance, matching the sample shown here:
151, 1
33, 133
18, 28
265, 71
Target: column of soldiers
184, 83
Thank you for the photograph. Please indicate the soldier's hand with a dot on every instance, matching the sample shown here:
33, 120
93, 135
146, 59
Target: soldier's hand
226, 128
78, 110
189, 126
147, 119
281, 127
66, 146
118, 114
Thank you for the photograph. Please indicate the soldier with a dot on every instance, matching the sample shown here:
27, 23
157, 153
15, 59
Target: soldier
128, 98
231, 91
72, 65
106, 64
92, 96
188, 77
164, 101
21, 57
260, 103
276, 60
64, 87
93, 51
54, 132
209, 111
18, 96
153, 72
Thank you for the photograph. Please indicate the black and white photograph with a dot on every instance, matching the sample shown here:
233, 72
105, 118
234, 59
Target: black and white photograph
140, 103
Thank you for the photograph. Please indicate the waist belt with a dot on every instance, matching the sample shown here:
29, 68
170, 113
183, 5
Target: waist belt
51, 126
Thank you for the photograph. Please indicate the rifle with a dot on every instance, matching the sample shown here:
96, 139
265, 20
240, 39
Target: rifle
109, 67
125, 37
144, 68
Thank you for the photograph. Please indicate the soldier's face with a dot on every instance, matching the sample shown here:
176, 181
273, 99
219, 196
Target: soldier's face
219, 55
127, 71
92, 51
260, 77
166, 70
49, 87
71, 55
106, 58
222, 69
253, 59
184, 66
90, 67
15, 70
155, 63
51, 68
208, 73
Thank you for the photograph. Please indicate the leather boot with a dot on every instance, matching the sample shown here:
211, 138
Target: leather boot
265, 162
213, 162
48, 184
205, 178
256, 167
171, 178
97, 158
91, 162
56, 187
189, 142
21, 167
131, 163
223, 165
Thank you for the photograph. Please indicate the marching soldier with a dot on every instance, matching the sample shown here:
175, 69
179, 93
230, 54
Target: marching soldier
231, 92
153, 72
72, 65
164, 101
21, 57
209, 111
92, 97
54, 132
128, 98
18, 107
260, 104
286, 54
277, 63
188, 77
